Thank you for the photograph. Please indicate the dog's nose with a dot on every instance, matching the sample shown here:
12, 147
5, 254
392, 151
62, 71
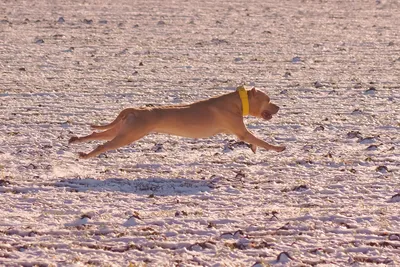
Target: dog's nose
275, 108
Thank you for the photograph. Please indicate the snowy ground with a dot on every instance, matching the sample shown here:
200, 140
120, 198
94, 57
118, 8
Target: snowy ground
332, 198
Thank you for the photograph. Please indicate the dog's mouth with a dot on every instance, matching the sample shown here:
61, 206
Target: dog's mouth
266, 115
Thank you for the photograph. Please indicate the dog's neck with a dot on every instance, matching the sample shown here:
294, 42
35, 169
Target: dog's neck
244, 99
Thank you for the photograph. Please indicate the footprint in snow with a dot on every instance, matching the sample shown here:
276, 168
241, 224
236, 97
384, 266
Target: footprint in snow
158, 148
319, 128
83, 220
235, 235
368, 140
318, 84
88, 21
395, 198
4, 182
39, 41
372, 148
370, 91
357, 111
132, 221
354, 134
283, 257
382, 169
300, 188
296, 60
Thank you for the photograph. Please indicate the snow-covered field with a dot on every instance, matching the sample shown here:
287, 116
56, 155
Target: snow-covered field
331, 199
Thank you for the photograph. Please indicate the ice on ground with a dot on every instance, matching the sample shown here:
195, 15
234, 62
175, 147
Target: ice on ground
332, 198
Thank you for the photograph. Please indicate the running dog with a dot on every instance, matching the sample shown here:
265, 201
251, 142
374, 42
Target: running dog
220, 114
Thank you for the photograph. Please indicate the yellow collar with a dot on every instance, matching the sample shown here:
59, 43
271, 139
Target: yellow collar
245, 99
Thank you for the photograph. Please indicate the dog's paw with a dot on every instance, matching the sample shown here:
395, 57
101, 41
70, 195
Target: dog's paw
280, 148
253, 148
73, 139
83, 155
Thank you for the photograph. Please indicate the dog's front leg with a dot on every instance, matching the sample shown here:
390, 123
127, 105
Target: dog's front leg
248, 137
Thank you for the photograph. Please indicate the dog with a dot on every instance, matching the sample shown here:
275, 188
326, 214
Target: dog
220, 114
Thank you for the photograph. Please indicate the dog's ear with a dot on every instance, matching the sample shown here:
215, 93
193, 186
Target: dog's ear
253, 91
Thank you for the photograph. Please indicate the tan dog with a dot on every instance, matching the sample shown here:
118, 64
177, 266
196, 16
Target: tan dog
221, 114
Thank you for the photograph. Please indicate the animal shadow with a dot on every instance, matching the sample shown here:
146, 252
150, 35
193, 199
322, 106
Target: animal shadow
156, 186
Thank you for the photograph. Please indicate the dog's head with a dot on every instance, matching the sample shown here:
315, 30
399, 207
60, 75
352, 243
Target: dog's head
260, 105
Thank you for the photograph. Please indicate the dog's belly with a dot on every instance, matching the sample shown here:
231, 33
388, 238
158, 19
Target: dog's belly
190, 131
187, 122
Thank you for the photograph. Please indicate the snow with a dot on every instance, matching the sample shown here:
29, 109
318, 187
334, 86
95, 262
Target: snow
332, 198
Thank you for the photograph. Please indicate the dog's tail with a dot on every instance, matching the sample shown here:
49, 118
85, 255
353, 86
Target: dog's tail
120, 117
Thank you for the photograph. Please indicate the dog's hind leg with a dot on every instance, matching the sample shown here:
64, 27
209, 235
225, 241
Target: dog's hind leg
122, 115
125, 136
106, 135
119, 141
